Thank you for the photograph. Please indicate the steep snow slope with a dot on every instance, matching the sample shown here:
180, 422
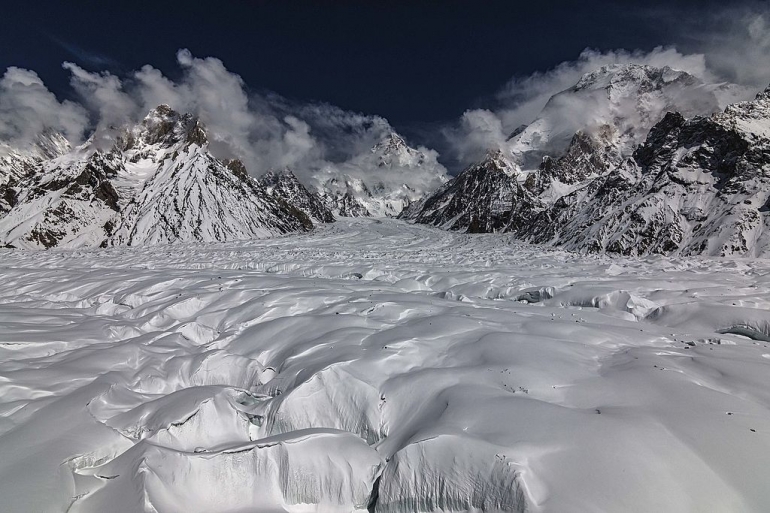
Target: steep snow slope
158, 183
379, 365
382, 182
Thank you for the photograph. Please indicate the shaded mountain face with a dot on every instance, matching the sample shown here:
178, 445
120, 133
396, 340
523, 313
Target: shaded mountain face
381, 182
480, 199
158, 183
285, 185
698, 186
694, 186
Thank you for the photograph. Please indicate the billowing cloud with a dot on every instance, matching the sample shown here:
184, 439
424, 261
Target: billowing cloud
523, 99
27, 108
266, 131
734, 40
104, 96
727, 50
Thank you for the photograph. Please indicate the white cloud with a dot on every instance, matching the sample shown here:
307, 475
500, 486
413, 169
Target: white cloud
27, 108
265, 131
103, 94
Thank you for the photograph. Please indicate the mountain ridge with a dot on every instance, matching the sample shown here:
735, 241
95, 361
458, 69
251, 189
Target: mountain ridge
693, 186
157, 183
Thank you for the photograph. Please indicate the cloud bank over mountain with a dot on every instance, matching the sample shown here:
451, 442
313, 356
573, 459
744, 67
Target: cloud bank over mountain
268, 131
264, 130
716, 41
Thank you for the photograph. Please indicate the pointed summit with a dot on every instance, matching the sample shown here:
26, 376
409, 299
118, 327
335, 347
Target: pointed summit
165, 127
628, 98
495, 160
285, 186
381, 182
392, 143
764, 95
156, 183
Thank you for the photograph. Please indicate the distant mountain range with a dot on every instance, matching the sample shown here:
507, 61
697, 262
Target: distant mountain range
633, 159
158, 183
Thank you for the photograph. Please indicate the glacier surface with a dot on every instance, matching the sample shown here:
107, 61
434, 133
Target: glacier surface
382, 366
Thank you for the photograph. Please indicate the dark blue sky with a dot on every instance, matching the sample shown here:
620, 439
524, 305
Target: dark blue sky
412, 62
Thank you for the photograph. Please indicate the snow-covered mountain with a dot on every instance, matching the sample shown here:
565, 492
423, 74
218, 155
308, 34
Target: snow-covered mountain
477, 200
158, 183
627, 98
381, 182
285, 185
18, 163
697, 186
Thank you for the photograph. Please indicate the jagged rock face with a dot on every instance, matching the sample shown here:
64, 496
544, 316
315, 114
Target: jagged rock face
382, 182
158, 184
483, 198
346, 196
19, 163
211, 204
698, 186
68, 202
286, 186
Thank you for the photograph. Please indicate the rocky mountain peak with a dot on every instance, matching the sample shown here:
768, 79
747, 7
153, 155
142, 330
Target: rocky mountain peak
165, 127
392, 143
495, 160
284, 185
155, 183
625, 100
695, 185
622, 78
764, 95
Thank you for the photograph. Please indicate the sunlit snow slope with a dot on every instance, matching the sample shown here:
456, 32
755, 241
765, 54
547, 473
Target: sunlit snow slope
384, 366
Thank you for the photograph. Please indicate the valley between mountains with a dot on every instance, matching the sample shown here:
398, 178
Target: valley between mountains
578, 320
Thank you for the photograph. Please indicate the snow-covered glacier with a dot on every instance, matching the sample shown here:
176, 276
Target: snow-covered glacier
383, 366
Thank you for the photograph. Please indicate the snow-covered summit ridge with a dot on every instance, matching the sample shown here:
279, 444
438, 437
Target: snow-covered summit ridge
629, 98
381, 182
165, 127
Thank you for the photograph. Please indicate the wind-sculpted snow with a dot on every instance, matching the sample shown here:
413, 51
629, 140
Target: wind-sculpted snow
383, 366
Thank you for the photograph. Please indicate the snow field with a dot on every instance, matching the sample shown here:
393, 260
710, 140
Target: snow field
374, 364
